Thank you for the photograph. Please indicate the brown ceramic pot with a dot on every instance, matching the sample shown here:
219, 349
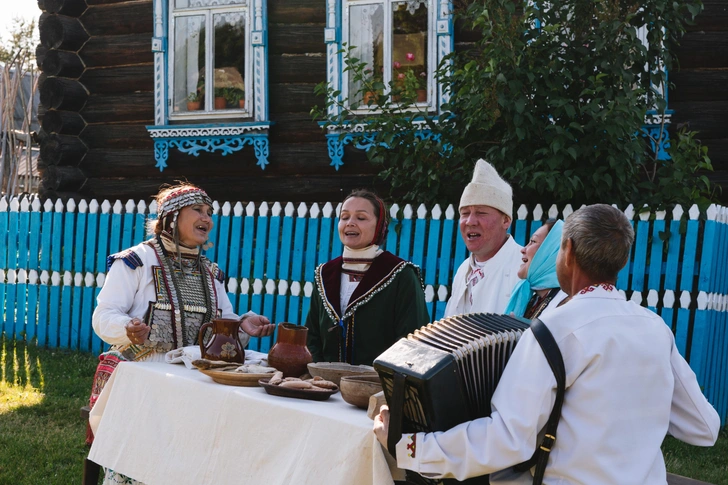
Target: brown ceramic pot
290, 354
223, 344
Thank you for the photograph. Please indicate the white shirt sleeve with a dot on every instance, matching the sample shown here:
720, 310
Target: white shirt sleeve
692, 418
115, 302
521, 405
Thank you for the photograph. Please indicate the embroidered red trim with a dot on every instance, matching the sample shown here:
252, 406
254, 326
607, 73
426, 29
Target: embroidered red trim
412, 446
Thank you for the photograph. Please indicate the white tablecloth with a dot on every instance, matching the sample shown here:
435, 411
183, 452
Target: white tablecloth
166, 424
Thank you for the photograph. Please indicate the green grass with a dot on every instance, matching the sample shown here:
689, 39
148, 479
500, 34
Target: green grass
42, 434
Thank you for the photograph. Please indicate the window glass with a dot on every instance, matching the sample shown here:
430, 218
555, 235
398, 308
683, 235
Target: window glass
409, 48
189, 65
366, 35
229, 60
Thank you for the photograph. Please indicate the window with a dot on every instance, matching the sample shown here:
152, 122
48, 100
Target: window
393, 39
210, 72
401, 42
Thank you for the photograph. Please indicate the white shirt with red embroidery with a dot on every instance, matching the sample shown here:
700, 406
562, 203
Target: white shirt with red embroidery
487, 286
627, 386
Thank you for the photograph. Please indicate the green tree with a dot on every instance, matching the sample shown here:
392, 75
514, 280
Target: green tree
556, 99
21, 43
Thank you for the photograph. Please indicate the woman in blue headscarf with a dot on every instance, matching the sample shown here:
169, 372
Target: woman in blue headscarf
539, 287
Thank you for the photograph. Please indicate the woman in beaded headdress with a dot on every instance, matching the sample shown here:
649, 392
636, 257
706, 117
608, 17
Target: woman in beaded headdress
367, 298
158, 293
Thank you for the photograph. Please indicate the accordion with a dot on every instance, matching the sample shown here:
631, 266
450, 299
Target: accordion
445, 374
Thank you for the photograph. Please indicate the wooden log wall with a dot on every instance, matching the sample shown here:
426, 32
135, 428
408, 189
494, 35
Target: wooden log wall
97, 90
98, 67
700, 97
63, 97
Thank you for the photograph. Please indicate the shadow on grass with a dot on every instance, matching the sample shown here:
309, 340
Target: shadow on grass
41, 431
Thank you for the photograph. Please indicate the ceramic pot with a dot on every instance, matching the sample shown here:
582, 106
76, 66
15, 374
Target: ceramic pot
290, 354
220, 103
223, 344
194, 105
241, 103
421, 95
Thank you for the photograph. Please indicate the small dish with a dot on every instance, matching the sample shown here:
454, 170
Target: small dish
232, 378
274, 390
358, 389
334, 371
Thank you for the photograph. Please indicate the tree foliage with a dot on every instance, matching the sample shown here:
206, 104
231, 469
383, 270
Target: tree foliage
22, 41
555, 97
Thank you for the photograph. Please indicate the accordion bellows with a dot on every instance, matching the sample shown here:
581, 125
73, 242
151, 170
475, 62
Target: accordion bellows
445, 373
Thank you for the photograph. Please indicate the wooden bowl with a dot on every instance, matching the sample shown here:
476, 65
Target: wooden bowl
334, 371
358, 389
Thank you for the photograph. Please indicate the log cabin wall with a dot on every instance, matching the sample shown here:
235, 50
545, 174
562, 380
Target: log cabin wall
97, 95
700, 94
104, 73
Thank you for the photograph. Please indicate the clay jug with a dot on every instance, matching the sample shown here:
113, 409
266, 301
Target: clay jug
290, 354
223, 344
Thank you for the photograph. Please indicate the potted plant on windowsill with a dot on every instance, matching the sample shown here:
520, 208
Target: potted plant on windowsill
220, 102
235, 97
194, 103
373, 86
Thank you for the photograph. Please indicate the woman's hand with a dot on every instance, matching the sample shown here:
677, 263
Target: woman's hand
381, 425
257, 326
137, 331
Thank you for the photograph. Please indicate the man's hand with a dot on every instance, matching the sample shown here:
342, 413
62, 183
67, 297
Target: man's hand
257, 326
381, 425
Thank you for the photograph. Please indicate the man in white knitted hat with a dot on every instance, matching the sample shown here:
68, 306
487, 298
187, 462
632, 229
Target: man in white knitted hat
485, 280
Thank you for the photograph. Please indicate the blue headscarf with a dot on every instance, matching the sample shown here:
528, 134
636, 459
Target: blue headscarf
541, 273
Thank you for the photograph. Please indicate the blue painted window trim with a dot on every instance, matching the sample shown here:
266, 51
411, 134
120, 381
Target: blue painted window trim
336, 139
211, 135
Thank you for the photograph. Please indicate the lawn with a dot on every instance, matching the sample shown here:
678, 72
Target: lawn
42, 434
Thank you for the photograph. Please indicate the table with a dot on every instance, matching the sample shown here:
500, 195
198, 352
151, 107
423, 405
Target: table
163, 423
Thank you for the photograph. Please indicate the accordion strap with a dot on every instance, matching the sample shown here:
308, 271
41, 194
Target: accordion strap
395, 416
553, 355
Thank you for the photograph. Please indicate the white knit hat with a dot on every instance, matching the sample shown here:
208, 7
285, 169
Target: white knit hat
487, 188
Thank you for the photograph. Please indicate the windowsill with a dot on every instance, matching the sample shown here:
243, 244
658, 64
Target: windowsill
226, 138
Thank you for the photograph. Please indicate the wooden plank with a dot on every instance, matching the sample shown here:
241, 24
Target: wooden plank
21, 305
24, 234
703, 49
223, 240
32, 324
707, 117
57, 241
117, 50
64, 328
127, 217
45, 236
261, 236
76, 306
312, 238
296, 11
119, 18
642, 232
3, 290
698, 85
287, 242
324, 252
714, 17
86, 331
10, 305
446, 249
418, 248
35, 236
12, 242
296, 39
118, 139
655, 270
300, 242
433, 246
119, 80
293, 97
104, 228
116, 225
271, 252
136, 107
53, 310
4, 233
43, 301
297, 68
248, 242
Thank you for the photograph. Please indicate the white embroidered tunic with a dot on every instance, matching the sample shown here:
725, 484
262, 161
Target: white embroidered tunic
485, 288
626, 387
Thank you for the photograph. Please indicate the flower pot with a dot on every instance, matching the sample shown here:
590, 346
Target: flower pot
290, 354
194, 105
421, 95
220, 102
370, 96
241, 103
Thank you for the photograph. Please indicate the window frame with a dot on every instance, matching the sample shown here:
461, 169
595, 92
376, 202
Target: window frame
432, 60
440, 43
209, 14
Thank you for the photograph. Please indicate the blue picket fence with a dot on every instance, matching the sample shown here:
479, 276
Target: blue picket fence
53, 263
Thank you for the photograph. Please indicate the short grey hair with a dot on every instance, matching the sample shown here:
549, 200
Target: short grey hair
601, 237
